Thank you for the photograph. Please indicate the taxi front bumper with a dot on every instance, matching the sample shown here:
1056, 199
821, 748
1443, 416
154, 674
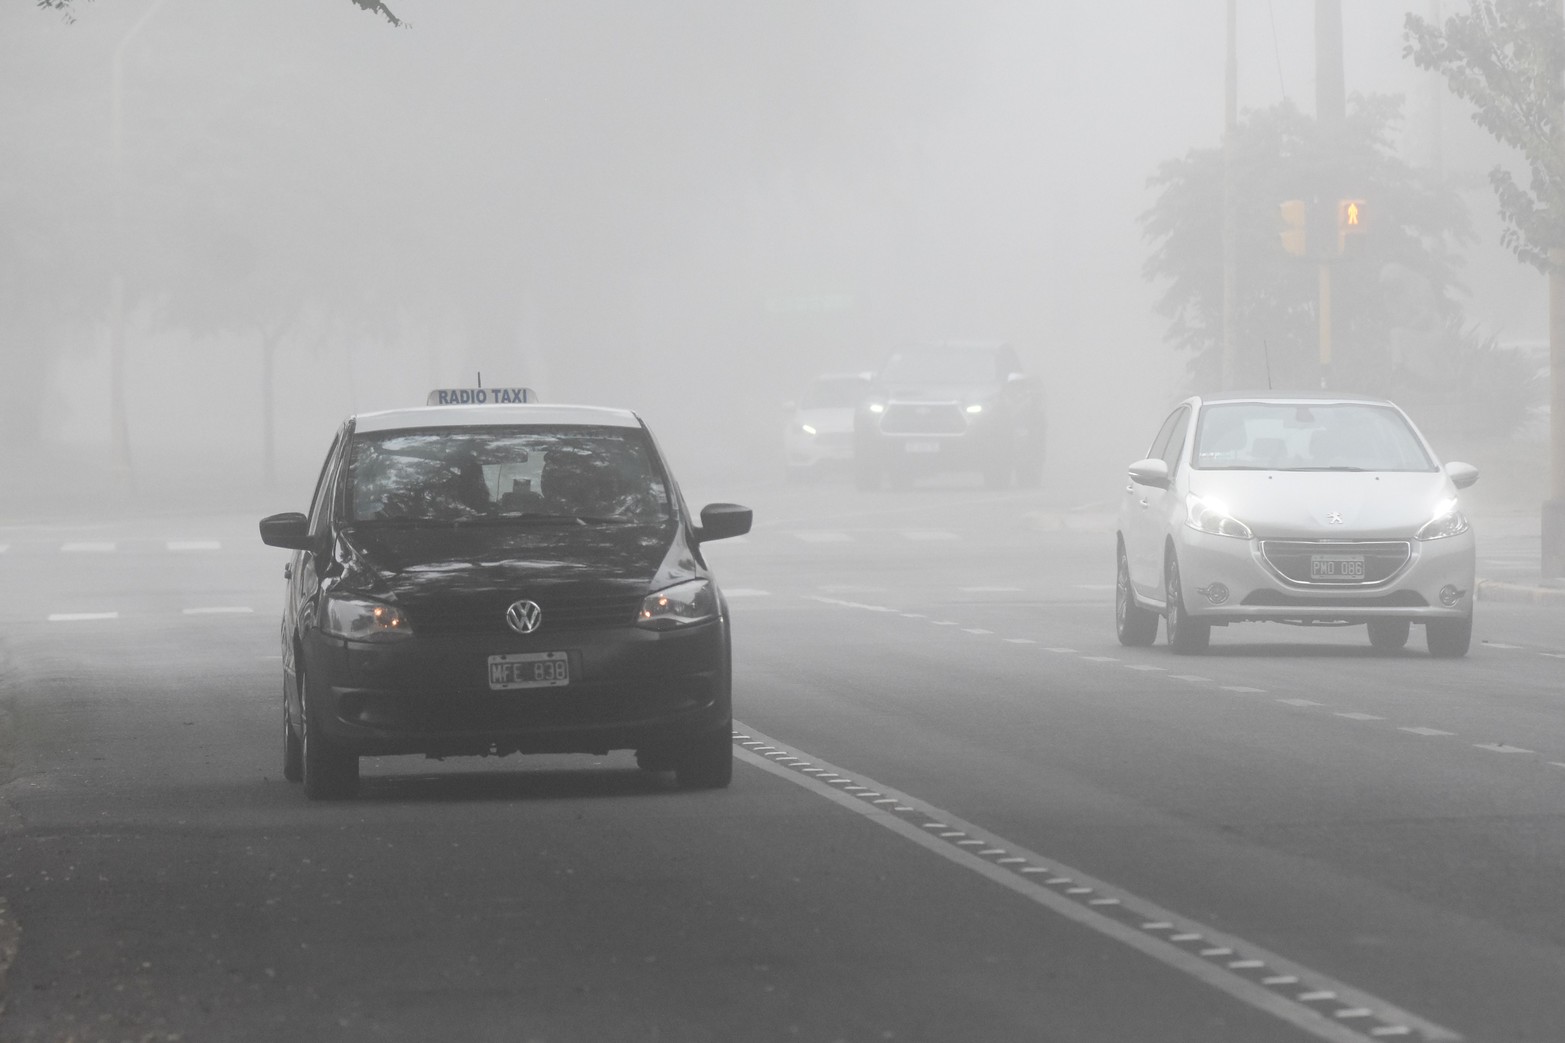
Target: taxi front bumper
629, 688
1225, 579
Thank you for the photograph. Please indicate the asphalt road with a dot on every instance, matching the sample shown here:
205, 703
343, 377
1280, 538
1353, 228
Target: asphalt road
962, 812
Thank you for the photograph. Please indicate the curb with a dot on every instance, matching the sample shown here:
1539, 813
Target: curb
1496, 590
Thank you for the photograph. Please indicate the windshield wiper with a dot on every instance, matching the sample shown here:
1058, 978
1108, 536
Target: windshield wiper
1341, 467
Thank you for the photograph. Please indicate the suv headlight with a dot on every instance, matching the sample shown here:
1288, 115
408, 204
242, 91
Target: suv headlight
1448, 521
694, 601
359, 619
1213, 518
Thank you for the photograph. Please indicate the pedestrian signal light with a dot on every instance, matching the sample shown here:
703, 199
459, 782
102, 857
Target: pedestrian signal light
1350, 221
1294, 237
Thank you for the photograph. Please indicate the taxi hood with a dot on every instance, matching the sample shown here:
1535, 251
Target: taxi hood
1327, 504
410, 564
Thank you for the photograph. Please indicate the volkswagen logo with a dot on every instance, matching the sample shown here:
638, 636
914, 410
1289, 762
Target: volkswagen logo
1334, 518
523, 616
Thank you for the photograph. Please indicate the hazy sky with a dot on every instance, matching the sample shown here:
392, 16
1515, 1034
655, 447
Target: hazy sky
684, 207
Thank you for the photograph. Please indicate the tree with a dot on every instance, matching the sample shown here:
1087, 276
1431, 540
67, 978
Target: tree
1281, 154
1507, 57
67, 8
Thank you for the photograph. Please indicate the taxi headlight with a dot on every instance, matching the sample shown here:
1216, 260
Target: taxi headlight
1212, 518
681, 605
1450, 523
359, 619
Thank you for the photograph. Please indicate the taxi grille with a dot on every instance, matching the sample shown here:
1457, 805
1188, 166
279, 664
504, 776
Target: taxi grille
1303, 561
486, 615
923, 418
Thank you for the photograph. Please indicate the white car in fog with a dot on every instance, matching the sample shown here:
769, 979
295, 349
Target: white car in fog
818, 435
1312, 509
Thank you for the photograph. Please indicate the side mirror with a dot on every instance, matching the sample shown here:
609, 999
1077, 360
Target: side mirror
1151, 471
1461, 475
719, 521
290, 531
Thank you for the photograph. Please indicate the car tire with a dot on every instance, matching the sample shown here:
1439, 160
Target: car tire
1136, 626
708, 762
1388, 635
1449, 638
1186, 634
330, 771
293, 747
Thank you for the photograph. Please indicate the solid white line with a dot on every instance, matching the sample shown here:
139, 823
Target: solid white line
1425, 731
87, 547
80, 617
193, 545
1214, 975
219, 610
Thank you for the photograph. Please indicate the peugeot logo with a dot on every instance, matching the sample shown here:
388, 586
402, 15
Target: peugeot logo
523, 616
1334, 518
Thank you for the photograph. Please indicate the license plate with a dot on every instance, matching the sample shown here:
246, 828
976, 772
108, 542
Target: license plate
921, 447
1336, 566
529, 670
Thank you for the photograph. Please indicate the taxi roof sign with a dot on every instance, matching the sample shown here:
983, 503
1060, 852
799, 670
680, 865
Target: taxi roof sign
480, 396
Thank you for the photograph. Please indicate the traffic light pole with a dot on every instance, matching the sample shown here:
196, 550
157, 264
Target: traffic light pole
1325, 324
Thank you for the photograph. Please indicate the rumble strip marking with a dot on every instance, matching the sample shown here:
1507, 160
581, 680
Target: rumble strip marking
1302, 997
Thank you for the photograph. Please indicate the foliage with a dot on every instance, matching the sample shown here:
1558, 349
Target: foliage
1507, 57
67, 9
1280, 154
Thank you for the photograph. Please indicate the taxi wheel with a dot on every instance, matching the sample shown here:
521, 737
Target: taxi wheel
1186, 636
293, 749
1449, 638
1136, 626
330, 772
1388, 635
708, 762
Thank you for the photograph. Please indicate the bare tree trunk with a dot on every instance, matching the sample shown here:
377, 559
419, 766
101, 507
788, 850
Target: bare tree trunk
1230, 220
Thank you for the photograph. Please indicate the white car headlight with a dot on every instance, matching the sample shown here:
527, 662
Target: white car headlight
694, 601
359, 619
1213, 518
807, 429
1448, 521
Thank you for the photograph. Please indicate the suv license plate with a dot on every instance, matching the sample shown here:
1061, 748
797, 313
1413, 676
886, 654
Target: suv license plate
1336, 566
921, 447
529, 670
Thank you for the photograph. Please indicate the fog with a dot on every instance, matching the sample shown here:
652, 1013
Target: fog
685, 208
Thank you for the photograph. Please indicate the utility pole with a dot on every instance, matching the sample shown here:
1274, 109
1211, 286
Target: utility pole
1230, 217
1331, 110
1554, 508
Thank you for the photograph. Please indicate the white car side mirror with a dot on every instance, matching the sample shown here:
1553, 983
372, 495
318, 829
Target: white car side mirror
1461, 475
1151, 471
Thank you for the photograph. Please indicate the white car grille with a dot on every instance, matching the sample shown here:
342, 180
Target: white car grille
1337, 563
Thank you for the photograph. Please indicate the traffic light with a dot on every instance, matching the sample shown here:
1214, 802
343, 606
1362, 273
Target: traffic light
1350, 221
1294, 238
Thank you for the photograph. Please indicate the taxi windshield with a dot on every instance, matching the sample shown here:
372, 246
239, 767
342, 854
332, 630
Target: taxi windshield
1307, 436
570, 474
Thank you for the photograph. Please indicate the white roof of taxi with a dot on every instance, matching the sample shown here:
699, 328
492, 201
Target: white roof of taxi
521, 415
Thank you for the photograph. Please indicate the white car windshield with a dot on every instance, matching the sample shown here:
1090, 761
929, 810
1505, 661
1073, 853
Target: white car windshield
1306, 436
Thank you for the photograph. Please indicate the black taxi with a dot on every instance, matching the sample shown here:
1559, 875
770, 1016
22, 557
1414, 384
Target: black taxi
495, 578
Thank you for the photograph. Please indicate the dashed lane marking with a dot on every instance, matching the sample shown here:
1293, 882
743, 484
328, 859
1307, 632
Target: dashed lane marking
1145, 668
1359, 716
1300, 702
1192, 678
1020, 641
1304, 998
1421, 730
1061, 651
80, 617
823, 537
87, 547
1243, 689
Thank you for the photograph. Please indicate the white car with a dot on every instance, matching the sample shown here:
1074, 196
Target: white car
818, 435
1313, 509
